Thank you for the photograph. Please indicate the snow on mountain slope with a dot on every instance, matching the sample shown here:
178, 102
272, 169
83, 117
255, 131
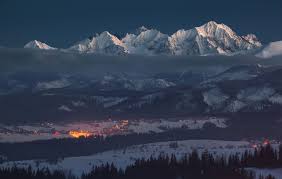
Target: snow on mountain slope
38, 45
251, 38
128, 156
162, 125
140, 30
109, 101
120, 81
147, 42
210, 38
276, 99
214, 98
235, 106
271, 50
65, 108
104, 43
241, 72
255, 93
62, 83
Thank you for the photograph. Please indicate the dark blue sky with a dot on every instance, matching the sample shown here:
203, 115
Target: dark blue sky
60, 23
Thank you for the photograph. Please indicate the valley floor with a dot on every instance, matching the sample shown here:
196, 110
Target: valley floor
109, 127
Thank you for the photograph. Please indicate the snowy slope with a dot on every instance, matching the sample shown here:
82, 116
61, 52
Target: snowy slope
61, 83
150, 42
127, 156
210, 38
104, 43
38, 45
276, 172
271, 50
121, 81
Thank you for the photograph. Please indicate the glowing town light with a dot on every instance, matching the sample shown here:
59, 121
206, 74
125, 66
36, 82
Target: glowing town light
266, 142
81, 133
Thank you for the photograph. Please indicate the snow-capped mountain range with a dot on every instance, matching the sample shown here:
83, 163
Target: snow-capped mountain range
209, 39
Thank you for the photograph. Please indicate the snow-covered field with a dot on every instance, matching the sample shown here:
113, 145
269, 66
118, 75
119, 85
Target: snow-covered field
108, 127
127, 156
277, 173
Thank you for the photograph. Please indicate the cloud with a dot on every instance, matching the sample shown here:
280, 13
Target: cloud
55, 61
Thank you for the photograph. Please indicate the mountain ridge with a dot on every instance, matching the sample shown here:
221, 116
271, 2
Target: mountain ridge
209, 39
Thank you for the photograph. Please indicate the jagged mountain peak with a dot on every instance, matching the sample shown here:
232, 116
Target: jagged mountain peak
150, 34
210, 38
141, 29
103, 43
211, 28
35, 44
106, 38
252, 38
216, 24
148, 42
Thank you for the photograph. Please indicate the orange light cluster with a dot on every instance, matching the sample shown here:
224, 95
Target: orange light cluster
81, 133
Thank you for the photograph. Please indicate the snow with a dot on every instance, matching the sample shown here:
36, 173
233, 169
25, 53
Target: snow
140, 85
148, 42
162, 125
241, 75
141, 29
214, 97
277, 172
208, 39
62, 83
106, 39
152, 97
147, 99
210, 29
255, 94
244, 74
137, 84
108, 101
65, 108
276, 99
179, 42
127, 156
251, 38
271, 50
235, 106
38, 45
78, 104
104, 43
